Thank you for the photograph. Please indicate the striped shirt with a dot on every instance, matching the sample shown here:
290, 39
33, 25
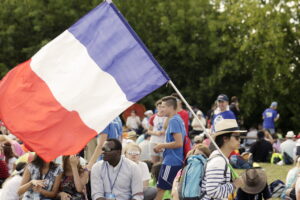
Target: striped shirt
216, 186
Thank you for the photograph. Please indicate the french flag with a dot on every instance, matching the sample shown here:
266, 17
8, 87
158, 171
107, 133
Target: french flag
79, 82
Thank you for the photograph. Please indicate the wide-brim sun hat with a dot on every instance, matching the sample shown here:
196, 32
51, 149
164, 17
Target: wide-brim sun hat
224, 126
255, 180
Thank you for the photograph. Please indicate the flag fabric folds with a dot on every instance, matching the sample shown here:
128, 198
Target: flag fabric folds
76, 84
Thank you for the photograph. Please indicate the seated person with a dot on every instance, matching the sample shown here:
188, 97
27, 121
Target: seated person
115, 177
11, 185
74, 179
243, 161
133, 152
3, 172
197, 127
40, 180
255, 185
261, 149
291, 179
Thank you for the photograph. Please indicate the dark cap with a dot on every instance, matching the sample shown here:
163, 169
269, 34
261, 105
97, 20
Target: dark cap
222, 97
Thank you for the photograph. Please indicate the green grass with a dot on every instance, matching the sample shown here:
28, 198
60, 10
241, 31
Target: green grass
274, 172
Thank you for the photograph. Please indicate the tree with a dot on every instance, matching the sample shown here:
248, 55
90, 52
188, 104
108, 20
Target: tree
246, 48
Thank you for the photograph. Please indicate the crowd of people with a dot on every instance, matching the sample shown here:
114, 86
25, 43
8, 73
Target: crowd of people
165, 155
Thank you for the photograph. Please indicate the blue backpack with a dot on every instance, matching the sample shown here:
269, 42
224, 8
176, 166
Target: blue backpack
189, 186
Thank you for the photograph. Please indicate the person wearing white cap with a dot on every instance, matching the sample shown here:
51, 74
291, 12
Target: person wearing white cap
145, 122
289, 145
270, 116
197, 128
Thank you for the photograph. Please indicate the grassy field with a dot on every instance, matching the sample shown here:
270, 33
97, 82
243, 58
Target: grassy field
274, 172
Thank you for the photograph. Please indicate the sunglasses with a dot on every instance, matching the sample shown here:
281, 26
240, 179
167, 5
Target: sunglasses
133, 153
107, 149
237, 137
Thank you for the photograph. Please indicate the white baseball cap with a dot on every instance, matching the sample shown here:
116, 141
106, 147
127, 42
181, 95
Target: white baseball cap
290, 134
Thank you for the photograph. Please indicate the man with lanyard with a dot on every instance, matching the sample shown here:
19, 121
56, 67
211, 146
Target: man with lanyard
115, 177
173, 147
222, 112
112, 130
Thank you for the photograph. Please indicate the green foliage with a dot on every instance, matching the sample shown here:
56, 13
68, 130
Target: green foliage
247, 48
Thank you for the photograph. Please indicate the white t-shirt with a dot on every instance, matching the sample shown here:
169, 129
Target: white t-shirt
144, 171
158, 124
11, 164
145, 122
10, 188
196, 125
251, 133
288, 146
145, 147
133, 122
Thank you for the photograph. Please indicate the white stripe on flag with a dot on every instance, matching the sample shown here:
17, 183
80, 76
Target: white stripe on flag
78, 83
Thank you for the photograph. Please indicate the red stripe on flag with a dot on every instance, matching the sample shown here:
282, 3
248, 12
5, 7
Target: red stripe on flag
31, 112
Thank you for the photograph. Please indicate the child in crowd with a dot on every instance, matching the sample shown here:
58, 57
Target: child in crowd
133, 152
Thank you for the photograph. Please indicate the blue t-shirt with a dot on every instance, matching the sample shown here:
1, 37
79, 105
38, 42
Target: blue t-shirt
120, 125
228, 114
269, 116
113, 129
174, 157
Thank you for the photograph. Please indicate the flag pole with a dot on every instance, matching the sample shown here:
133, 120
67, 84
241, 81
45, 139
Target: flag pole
235, 175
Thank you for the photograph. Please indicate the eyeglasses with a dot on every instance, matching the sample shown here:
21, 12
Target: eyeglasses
237, 137
107, 149
133, 153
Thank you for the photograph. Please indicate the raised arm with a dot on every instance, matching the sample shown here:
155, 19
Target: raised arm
79, 180
98, 150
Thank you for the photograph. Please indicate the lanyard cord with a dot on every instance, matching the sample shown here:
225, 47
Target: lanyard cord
112, 185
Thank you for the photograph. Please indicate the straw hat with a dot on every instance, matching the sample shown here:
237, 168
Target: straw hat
131, 135
227, 126
255, 180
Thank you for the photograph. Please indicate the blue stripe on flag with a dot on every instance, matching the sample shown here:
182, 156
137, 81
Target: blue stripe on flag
117, 49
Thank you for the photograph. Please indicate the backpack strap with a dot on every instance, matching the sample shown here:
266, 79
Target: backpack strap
226, 164
205, 167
